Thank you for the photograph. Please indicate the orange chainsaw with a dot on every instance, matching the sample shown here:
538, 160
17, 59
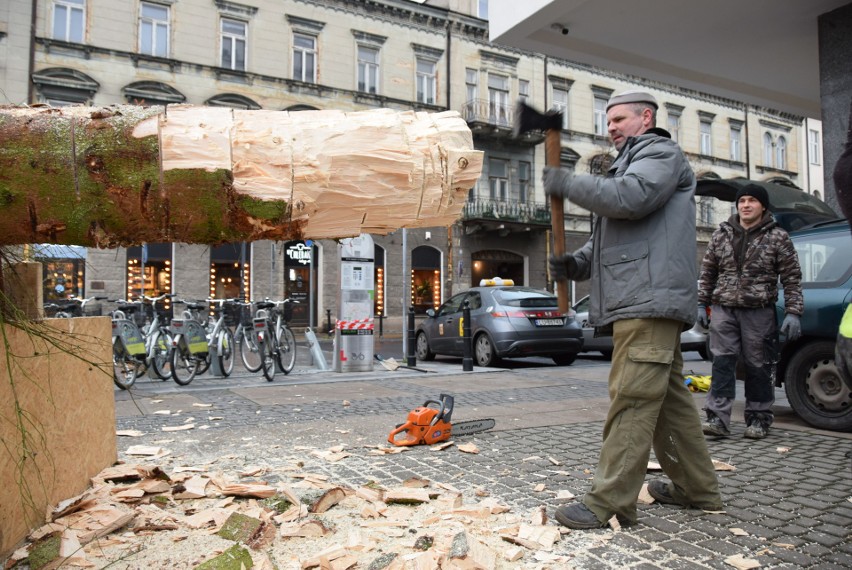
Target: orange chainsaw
428, 425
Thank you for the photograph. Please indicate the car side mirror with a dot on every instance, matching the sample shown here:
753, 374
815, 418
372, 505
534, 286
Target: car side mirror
430, 313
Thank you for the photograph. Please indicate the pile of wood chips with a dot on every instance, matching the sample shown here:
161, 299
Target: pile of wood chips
141, 516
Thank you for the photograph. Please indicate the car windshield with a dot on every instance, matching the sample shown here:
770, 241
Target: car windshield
825, 259
524, 297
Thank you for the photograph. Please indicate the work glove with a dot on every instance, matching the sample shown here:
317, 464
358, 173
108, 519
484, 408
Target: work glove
703, 317
791, 327
557, 181
562, 267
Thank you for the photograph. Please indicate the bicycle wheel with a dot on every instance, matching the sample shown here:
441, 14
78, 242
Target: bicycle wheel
161, 360
124, 368
286, 349
268, 363
225, 352
184, 364
203, 364
250, 351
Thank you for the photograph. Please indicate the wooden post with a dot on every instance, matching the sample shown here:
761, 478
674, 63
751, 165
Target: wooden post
552, 158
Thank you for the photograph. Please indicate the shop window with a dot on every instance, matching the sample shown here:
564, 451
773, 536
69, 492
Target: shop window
63, 271
497, 263
149, 271
230, 271
379, 268
425, 278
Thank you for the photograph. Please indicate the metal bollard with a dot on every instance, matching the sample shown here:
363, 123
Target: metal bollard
411, 360
328, 327
381, 318
467, 342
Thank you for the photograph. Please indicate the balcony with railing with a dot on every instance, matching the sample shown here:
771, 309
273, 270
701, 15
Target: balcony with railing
482, 214
495, 120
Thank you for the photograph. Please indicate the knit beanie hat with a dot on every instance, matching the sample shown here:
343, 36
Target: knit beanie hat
755, 191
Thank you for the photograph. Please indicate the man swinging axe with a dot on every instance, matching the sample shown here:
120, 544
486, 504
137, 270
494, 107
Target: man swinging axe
640, 260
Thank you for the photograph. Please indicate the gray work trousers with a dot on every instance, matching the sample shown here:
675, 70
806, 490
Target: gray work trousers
650, 406
751, 334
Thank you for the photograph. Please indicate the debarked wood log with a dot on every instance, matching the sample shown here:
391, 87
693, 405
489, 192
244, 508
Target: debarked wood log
124, 175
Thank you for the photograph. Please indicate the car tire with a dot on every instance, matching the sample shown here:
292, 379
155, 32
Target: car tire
422, 348
815, 390
484, 353
564, 359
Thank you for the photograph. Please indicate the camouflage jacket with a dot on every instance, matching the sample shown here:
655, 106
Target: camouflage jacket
741, 267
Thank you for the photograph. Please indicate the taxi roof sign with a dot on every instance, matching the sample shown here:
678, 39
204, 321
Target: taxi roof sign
496, 282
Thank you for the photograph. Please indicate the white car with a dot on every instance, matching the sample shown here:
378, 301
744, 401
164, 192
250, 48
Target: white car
693, 339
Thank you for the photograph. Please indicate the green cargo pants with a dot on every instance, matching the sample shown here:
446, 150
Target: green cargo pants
650, 405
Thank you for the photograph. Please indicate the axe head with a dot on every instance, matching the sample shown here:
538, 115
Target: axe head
528, 119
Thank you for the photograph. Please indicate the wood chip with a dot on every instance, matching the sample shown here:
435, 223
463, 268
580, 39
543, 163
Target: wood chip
469, 448
553, 461
539, 488
248, 490
147, 450
441, 446
406, 496
722, 466
129, 433
328, 500
738, 532
200, 405
740, 562
645, 497
782, 449
183, 427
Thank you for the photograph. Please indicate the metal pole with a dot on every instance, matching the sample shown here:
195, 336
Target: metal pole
310, 244
467, 342
412, 361
405, 286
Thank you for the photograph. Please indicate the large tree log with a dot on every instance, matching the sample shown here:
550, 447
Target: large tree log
126, 175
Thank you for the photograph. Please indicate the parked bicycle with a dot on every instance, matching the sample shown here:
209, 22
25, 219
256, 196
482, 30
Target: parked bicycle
247, 339
277, 343
128, 346
196, 347
72, 307
129, 359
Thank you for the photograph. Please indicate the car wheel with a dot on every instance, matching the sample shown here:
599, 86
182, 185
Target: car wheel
564, 359
422, 348
815, 389
483, 351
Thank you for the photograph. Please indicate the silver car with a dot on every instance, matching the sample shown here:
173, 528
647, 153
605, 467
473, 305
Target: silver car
692, 339
505, 322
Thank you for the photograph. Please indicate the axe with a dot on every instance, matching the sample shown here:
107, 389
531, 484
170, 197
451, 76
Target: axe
528, 119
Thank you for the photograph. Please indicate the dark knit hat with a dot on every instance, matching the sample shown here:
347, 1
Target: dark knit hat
755, 191
632, 97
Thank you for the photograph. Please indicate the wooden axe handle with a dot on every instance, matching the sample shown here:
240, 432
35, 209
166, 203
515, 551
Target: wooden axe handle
552, 158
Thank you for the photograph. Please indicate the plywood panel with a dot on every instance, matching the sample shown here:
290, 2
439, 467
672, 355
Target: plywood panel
57, 419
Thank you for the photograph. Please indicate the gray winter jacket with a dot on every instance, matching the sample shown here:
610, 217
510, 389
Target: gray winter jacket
641, 257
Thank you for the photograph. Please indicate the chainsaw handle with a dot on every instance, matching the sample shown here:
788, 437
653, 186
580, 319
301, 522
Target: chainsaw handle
441, 407
405, 441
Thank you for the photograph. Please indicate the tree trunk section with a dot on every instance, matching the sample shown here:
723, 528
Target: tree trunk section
125, 175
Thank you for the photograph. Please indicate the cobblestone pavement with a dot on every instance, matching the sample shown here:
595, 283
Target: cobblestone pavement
791, 493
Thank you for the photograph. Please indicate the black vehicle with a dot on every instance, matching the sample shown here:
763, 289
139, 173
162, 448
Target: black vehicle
506, 322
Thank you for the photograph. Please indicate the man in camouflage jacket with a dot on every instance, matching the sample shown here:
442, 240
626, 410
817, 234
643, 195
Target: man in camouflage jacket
739, 281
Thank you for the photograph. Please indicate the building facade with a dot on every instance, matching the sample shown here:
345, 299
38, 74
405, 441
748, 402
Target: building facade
297, 55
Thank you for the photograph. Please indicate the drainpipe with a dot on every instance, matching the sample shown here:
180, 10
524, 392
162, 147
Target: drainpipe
30, 86
449, 64
747, 146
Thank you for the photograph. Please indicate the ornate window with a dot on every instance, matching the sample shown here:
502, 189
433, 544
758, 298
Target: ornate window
233, 38
233, 101
152, 93
60, 86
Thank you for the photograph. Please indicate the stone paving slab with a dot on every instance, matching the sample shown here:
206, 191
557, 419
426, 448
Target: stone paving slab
790, 492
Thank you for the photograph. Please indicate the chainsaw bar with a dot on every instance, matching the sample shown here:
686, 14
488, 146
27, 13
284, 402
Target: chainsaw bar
472, 426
